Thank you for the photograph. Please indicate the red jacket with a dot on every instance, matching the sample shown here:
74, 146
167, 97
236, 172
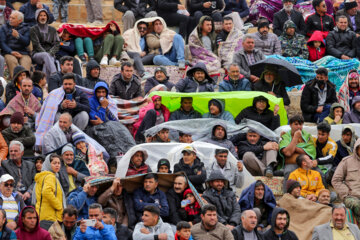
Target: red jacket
316, 54
144, 168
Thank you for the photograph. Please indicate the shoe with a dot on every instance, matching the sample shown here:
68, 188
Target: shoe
146, 75
269, 172
82, 58
104, 61
91, 58
279, 173
97, 22
114, 61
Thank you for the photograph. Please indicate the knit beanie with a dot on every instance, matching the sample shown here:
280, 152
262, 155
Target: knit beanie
66, 148
291, 185
162, 69
17, 117
153, 98
263, 22
162, 162
78, 137
350, 5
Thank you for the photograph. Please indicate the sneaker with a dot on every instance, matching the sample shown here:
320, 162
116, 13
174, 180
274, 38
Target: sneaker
91, 58
269, 172
97, 22
82, 58
146, 75
114, 61
104, 61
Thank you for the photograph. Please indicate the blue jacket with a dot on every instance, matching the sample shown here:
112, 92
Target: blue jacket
67, 48
95, 108
236, 6
29, 13
224, 115
38, 93
8, 43
91, 233
81, 201
226, 85
247, 200
157, 199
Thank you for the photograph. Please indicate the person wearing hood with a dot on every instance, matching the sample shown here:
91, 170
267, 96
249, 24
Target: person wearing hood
46, 42
293, 188
193, 167
316, 46
293, 44
217, 110
336, 114
186, 110
50, 198
345, 145
349, 89
248, 228
317, 97
13, 87
320, 20
219, 137
190, 208
29, 10
206, 33
92, 74
234, 81
137, 164
160, 77
14, 38
197, 80
280, 222
219, 193
152, 226
354, 115
341, 42
261, 113
271, 83
29, 225
266, 42
288, 13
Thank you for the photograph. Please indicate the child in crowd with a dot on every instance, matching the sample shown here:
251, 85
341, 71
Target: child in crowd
190, 207
183, 231
164, 166
336, 114
39, 160
39, 82
316, 46
63, 5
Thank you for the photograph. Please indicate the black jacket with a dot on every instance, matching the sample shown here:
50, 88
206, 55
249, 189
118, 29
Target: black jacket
82, 103
152, 82
310, 99
286, 235
257, 149
281, 17
197, 5
191, 173
12, 88
315, 22
167, 6
55, 80
89, 81
341, 42
279, 90
26, 136
174, 201
238, 233
139, 10
122, 232
118, 87
357, 19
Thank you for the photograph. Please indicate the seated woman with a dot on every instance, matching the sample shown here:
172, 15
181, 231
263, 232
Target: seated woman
190, 208
336, 114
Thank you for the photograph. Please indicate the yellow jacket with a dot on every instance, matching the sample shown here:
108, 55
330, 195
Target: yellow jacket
51, 205
330, 147
309, 180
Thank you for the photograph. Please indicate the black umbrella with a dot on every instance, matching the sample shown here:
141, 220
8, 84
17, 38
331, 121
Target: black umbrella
286, 71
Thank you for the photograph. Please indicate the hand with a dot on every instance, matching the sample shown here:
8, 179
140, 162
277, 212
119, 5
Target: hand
311, 197
320, 109
181, 7
39, 5
116, 182
282, 133
98, 121
144, 231
254, 78
276, 109
86, 187
298, 134
345, 57
15, 33
11, 225
271, 146
29, 111
198, 173
240, 166
315, 163
104, 103
99, 225
65, 103
16, 54
142, 54
272, 93
26, 196
82, 226
162, 236
337, 119
113, 27
72, 104
26, 119
207, 5
231, 227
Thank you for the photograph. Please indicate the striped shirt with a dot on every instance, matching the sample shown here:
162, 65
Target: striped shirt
11, 208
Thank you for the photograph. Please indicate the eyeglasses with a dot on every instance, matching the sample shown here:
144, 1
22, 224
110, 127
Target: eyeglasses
8, 184
142, 28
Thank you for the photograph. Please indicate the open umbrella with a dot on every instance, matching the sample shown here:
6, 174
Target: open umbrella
286, 71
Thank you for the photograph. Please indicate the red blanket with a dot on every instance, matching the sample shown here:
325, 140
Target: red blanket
91, 32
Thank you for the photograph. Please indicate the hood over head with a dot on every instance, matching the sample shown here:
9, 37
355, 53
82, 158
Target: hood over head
261, 98
219, 124
276, 212
200, 66
220, 103
356, 146
355, 100
333, 106
90, 66
153, 98
270, 68
289, 24
145, 155
216, 175
101, 85
20, 219
38, 11
316, 36
17, 70
201, 21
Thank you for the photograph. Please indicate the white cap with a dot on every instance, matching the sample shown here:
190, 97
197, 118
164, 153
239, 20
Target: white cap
5, 178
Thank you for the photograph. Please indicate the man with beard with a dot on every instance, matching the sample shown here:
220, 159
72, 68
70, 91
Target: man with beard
92, 74
186, 110
354, 115
29, 10
217, 110
75, 102
288, 13
160, 77
209, 228
352, 14
197, 80
247, 229
266, 42
317, 97
337, 228
349, 89
67, 227
292, 43
294, 188
280, 222
219, 137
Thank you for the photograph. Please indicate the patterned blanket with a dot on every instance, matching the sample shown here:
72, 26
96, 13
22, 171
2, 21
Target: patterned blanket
232, 44
128, 110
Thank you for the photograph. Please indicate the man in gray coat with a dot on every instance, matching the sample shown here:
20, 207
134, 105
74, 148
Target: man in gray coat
337, 228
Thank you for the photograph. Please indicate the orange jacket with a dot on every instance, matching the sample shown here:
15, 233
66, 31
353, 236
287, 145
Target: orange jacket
310, 181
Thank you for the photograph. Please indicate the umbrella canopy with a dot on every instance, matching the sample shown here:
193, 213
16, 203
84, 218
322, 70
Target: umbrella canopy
286, 71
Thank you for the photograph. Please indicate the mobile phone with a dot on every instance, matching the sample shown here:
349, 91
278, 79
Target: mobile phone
69, 97
90, 222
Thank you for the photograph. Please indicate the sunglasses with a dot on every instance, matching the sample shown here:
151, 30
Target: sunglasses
142, 28
8, 184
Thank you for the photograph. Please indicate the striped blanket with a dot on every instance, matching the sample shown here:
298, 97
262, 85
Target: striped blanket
128, 110
227, 48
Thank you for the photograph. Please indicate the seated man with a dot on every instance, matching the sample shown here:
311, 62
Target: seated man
100, 230
319, 20
185, 138
45, 41
352, 13
125, 84
82, 198
22, 171
349, 89
68, 225
197, 80
292, 43
75, 102
258, 154
160, 77
134, 10
151, 115
234, 81
248, 226
219, 194
116, 197
13, 87
92, 74
20, 132
219, 137
317, 97
152, 225
137, 164
166, 43
206, 8
186, 110
121, 231
280, 222
345, 145
217, 110
29, 10
354, 115
150, 194
310, 180
14, 38
267, 43
161, 136
193, 167
247, 56
261, 113
66, 66
341, 42
293, 187
233, 174
288, 12
259, 198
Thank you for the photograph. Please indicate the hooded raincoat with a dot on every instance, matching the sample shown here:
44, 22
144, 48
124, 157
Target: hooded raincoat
344, 149
316, 53
13, 87
223, 114
89, 81
330, 119
286, 234
143, 168
353, 116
